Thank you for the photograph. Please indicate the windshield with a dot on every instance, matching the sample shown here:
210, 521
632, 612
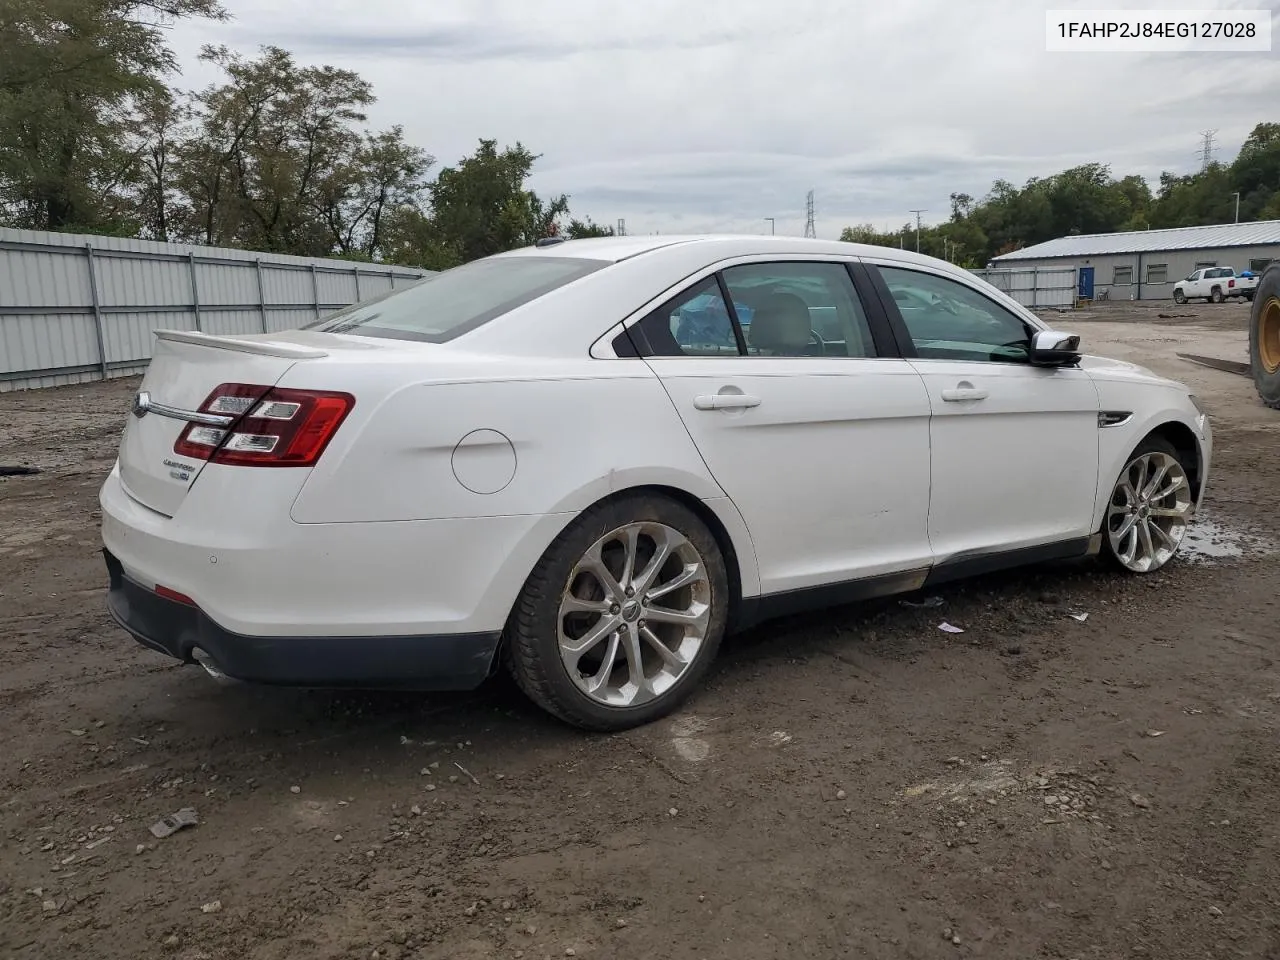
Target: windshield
449, 304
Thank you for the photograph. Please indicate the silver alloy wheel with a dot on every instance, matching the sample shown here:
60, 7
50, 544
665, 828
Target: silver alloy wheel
634, 614
1149, 513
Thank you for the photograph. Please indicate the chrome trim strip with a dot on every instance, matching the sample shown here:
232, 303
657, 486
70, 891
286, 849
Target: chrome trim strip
143, 404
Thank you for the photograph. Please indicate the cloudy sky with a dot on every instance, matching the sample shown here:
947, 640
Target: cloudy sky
711, 115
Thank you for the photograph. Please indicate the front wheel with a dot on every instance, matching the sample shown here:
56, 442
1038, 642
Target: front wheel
622, 616
1179, 297
1150, 510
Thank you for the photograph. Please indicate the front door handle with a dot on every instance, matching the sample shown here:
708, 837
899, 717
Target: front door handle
963, 393
725, 401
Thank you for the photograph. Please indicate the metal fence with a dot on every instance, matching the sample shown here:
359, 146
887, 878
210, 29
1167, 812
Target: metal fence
1035, 286
75, 308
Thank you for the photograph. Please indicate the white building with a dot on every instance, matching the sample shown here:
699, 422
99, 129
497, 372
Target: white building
1145, 264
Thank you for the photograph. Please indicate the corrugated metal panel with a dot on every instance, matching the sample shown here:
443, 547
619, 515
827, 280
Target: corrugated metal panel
1261, 233
337, 287
34, 278
49, 329
127, 282
46, 341
231, 322
287, 285
227, 283
131, 335
1043, 287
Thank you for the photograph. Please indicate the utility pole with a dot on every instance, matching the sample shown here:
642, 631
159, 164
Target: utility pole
917, 213
772, 231
1237, 196
622, 227
809, 229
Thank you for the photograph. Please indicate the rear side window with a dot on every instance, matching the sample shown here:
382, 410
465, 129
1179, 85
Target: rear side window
456, 301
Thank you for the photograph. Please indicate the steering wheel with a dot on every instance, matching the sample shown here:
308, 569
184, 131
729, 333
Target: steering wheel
816, 338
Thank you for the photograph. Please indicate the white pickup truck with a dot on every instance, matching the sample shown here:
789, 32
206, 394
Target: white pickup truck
1214, 284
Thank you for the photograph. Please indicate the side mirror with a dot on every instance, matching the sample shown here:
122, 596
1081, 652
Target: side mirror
1052, 348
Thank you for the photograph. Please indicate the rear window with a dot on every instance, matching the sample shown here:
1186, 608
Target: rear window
455, 301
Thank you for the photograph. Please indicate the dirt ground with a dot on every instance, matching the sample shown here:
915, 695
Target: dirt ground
853, 784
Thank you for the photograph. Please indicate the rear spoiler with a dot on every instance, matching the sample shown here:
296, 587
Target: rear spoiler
266, 348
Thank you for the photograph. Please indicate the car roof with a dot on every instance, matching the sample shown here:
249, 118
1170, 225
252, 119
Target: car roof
616, 249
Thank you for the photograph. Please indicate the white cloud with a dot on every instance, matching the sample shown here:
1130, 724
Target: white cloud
713, 115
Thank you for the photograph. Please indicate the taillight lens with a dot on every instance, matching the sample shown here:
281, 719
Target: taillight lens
276, 427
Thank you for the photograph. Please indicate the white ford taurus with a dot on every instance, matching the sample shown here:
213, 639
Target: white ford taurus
588, 460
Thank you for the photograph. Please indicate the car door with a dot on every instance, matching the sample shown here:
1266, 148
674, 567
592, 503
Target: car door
1196, 286
1014, 447
805, 416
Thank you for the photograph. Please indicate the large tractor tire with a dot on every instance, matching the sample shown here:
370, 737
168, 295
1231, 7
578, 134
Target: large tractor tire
1264, 337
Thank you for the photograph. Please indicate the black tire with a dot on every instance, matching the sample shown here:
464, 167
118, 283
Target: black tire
1215, 295
1152, 444
1179, 297
1264, 336
531, 647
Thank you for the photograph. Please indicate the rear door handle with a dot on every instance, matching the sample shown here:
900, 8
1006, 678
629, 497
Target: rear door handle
960, 394
725, 401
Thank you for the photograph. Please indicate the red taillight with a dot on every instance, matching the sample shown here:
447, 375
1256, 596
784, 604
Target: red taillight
274, 427
1231, 283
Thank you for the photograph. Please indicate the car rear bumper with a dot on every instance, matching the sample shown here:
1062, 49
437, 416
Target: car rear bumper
183, 631
253, 572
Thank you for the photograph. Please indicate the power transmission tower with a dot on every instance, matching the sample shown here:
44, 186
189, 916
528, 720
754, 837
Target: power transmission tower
1206, 148
622, 227
809, 229
917, 213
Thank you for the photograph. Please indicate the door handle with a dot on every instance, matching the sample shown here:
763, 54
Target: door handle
725, 401
961, 394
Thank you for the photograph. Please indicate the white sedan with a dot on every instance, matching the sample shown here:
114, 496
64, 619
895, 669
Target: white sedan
588, 460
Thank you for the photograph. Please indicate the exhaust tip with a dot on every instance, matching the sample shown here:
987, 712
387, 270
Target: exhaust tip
210, 665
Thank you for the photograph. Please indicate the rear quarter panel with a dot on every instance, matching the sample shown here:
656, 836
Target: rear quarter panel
567, 436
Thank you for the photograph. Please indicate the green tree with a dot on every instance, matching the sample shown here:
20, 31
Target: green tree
581, 229
1255, 174
155, 131
1194, 200
482, 206
69, 72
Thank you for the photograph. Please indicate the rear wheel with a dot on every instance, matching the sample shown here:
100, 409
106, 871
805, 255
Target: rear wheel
1150, 510
1264, 337
1215, 296
622, 616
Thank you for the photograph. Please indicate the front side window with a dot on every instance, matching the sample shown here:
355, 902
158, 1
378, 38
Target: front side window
451, 303
799, 310
948, 320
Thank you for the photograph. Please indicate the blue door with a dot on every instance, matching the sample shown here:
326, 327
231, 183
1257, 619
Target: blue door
1085, 290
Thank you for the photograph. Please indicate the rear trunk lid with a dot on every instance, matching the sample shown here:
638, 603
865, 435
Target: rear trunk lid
185, 369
